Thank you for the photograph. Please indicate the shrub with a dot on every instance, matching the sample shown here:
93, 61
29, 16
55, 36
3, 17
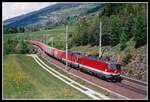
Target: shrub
12, 46
127, 59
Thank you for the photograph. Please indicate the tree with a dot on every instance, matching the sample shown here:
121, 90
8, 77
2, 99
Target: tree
110, 9
80, 36
121, 22
115, 31
123, 38
9, 46
21, 29
24, 48
139, 30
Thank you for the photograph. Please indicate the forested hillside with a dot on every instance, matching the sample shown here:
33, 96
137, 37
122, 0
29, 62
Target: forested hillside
120, 23
50, 17
124, 35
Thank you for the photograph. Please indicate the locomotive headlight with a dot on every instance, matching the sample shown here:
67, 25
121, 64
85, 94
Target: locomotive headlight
115, 71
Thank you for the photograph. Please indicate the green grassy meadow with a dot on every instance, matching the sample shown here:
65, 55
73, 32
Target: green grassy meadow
58, 33
23, 78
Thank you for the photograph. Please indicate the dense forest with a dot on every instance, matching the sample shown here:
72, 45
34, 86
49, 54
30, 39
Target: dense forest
120, 23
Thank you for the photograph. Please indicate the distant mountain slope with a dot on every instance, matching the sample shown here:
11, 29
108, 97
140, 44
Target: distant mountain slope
52, 15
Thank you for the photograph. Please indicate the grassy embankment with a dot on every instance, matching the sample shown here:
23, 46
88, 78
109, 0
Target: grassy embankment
23, 78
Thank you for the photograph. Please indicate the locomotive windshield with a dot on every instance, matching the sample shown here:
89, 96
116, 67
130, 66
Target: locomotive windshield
114, 66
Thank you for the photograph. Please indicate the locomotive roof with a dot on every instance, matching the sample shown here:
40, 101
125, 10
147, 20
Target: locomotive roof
103, 58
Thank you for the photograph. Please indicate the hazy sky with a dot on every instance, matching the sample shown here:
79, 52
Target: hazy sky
12, 9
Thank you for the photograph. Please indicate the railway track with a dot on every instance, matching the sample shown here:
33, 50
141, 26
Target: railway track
128, 88
89, 92
133, 84
134, 80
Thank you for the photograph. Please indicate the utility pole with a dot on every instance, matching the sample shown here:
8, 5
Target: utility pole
66, 45
100, 52
52, 41
45, 38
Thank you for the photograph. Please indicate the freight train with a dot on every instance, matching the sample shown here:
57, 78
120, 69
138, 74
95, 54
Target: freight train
110, 71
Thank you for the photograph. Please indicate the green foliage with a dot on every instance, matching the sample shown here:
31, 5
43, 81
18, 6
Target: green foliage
12, 46
111, 9
123, 38
115, 30
24, 48
8, 30
139, 29
80, 36
94, 9
127, 59
93, 33
120, 23
59, 44
9, 46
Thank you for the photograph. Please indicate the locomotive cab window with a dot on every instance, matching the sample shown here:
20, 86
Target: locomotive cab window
114, 66
118, 66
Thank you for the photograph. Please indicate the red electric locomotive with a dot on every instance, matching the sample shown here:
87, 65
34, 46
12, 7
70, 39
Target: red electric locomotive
104, 69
